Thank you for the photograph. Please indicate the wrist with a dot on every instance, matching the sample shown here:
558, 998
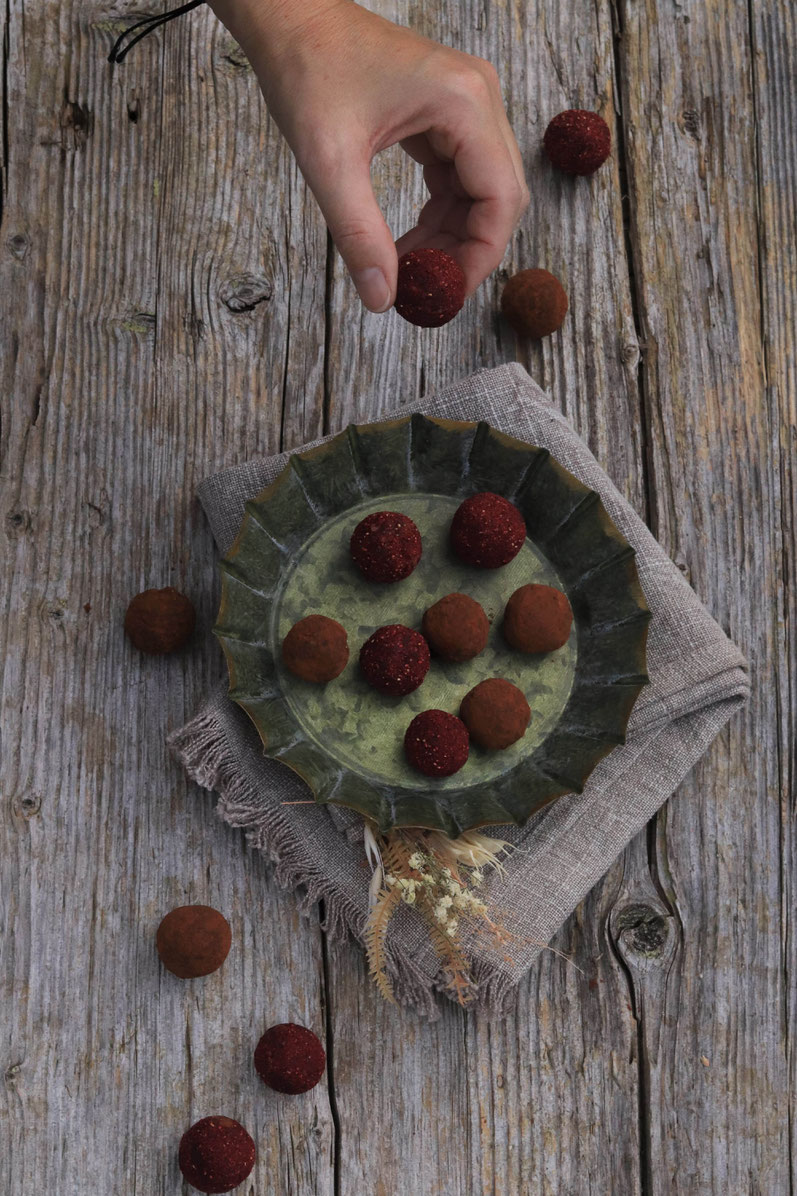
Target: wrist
269, 29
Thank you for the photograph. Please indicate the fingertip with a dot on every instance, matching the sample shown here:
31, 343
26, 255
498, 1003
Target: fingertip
373, 289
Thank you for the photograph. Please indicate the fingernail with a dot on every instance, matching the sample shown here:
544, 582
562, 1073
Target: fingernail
372, 288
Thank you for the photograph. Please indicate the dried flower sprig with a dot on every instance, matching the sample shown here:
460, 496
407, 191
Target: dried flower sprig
441, 878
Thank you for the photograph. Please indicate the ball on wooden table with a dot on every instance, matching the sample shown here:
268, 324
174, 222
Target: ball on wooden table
496, 713
534, 302
537, 619
430, 289
577, 141
316, 649
386, 546
160, 621
487, 530
395, 660
216, 1154
290, 1058
456, 627
437, 743
193, 940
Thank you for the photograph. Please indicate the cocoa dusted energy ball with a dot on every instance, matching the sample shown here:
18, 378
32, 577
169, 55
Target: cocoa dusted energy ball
430, 288
496, 713
456, 627
487, 530
160, 621
577, 142
193, 940
534, 302
290, 1058
216, 1154
395, 660
537, 619
437, 743
316, 649
386, 546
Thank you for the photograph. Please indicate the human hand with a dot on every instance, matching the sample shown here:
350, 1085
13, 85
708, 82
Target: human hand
342, 84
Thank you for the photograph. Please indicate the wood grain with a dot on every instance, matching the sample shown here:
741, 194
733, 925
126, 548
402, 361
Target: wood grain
714, 1054
170, 306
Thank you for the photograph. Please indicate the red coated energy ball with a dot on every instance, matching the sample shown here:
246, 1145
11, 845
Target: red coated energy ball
537, 619
534, 302
430, 288
386, 546
290, 1058
193, 940
437, 743
578, 142
456, 627
160, 621
316, 649
216, 1154
487, 530
395, 660
496, 713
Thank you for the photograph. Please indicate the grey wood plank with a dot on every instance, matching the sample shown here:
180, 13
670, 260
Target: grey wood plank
774, 34
548, 1101
711, 990
130, 377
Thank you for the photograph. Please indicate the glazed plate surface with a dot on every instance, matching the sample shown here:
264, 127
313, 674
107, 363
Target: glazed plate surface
291, 559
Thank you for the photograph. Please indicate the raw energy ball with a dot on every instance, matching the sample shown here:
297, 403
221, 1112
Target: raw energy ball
216, 1154
159, 621
193, 940
430, 288
496, 713
436, 743
487, 530
456, 627
290, 1058
577, 141
395, 660
534, 302
316, 649
537, 619
386, 546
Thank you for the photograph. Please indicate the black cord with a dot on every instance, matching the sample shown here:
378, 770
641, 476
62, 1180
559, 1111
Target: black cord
117, 54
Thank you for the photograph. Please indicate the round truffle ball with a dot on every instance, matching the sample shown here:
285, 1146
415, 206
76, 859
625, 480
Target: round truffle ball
487, 530
577, 142
386, 546
395, 660
290, 1058
534, 302
159, 621
193, 940
537, 619
316, 649
436, 743
496, 713
216, 1154
430, 289
456, 627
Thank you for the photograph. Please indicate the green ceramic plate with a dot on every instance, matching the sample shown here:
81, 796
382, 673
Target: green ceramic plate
291, 559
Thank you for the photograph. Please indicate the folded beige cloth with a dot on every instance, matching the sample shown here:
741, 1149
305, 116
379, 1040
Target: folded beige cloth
698, 679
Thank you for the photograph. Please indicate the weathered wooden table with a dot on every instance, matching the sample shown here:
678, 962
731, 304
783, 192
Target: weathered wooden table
171, 304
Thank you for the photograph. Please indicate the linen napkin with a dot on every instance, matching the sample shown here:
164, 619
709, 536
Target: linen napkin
698, 678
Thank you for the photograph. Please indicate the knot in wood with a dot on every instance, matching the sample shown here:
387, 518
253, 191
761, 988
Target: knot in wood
644, 930
245, 291
18, 245
76, 124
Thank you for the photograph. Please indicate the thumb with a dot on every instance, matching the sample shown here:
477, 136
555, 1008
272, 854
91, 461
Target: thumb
360, 233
